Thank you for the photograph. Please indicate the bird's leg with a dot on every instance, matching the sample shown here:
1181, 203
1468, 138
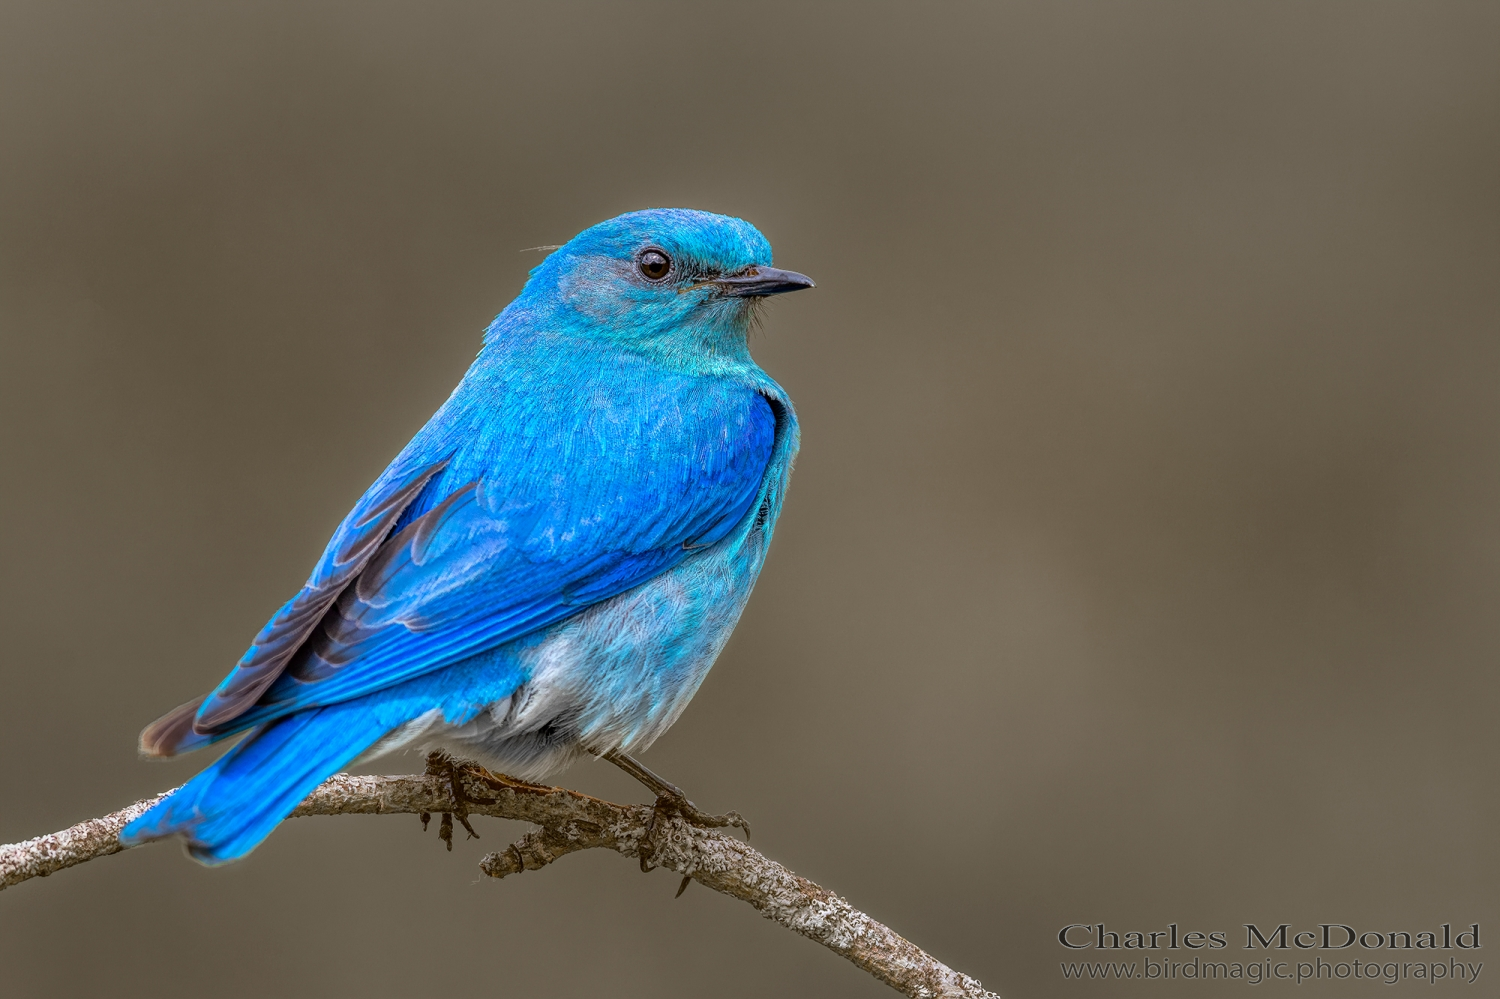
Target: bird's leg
440, 764
671, 801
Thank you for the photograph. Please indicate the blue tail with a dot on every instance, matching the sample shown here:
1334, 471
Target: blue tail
226, 810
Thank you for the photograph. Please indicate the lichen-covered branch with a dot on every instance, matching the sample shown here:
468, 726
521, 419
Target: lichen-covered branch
569, 821
37, 858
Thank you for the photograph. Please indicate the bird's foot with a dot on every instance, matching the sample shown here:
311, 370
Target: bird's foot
440, 764
674, 802
670, 801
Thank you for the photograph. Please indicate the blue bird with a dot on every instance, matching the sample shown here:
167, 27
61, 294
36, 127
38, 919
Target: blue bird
550, 567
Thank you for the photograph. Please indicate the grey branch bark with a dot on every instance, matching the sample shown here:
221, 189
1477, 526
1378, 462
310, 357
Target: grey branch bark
569, 821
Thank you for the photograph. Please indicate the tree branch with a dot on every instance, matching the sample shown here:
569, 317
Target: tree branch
570, 821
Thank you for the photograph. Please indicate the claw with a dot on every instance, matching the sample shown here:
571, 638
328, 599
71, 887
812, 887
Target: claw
670, 803
679, 805
669, 797
443, 765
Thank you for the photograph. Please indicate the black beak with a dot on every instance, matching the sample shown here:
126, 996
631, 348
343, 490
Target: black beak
758, 282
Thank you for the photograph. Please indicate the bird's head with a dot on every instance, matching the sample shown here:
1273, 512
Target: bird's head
665, 279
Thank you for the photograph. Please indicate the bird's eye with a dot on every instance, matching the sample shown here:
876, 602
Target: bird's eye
654, 265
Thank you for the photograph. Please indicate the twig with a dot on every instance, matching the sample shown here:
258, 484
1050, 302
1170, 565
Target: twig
569, 822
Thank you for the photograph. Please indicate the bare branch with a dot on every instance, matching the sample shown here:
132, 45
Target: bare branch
570, 821
37, 858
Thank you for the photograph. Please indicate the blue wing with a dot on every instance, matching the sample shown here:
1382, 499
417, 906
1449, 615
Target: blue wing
576, 491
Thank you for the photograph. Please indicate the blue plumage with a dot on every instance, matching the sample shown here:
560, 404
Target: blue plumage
551, 565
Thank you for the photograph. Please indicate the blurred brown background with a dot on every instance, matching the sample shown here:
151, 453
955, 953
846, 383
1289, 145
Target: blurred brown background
1141, 564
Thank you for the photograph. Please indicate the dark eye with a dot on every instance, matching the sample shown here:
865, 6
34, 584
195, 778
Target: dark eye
655, 265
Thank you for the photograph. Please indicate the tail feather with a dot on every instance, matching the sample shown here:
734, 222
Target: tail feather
225, 811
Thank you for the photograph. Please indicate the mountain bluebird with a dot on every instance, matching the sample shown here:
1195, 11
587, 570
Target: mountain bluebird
552, 564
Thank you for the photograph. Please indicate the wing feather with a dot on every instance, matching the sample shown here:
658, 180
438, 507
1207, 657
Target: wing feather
510, 533
353, 545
